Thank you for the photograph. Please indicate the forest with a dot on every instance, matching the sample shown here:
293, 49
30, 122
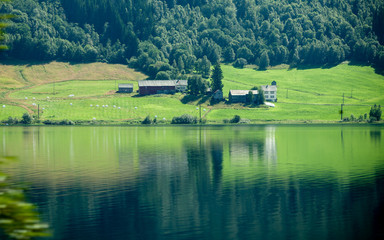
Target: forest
168, 39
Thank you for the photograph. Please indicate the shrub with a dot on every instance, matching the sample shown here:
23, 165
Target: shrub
235, 119
240, 63
360, 119
375, 113
48, 122
66, 122
11, 120
27, 119
147, 120
184, 119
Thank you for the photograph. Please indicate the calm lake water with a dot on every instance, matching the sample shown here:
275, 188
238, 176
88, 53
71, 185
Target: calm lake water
242, 182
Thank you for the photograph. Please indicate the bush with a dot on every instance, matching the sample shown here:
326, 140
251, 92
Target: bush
147, 120
11, 121
27, 119
375, 113
48, 122
360, 119
184, 119
240, 63
235, 119
66, 122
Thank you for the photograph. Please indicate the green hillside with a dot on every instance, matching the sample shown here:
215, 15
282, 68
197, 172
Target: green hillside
179, 37
308, 94
303, 94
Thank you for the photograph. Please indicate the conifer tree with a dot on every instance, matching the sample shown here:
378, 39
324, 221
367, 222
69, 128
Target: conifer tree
217, 76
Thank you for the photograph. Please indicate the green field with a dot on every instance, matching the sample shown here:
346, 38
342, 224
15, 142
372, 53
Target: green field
308, 94
303, 94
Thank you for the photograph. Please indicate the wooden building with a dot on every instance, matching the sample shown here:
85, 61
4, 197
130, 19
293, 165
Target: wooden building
218, 95
240, 96
125, 88
147, 87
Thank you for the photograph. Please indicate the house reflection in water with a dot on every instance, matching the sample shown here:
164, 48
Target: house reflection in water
261, 146
270, 152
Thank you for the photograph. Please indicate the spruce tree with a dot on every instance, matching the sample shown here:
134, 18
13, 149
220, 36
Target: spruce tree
217, 76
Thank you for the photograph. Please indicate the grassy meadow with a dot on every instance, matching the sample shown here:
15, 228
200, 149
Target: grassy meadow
307, 94
66, 91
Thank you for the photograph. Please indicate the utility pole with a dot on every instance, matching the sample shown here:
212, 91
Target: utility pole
287, 93
53, 88
200, 112
341, 111
38, 111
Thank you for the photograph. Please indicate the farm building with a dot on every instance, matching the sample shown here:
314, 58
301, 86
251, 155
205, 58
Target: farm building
240, 96
218, 95
125, 88
162, 86
270, 92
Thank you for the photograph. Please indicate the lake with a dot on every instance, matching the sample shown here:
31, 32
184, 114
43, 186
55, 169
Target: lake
209, 182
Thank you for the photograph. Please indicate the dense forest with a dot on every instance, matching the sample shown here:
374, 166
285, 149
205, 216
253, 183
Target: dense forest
166, 38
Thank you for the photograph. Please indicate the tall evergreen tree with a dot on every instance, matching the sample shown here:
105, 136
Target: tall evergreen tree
217, 76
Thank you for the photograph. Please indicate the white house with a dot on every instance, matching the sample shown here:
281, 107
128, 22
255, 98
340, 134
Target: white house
270, 92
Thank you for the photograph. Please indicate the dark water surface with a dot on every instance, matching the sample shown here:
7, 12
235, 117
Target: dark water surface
243, 182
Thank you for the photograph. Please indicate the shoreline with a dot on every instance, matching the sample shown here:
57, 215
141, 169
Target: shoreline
168, 124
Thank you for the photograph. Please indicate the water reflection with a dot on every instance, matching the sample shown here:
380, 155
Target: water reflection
375, 135
202, 182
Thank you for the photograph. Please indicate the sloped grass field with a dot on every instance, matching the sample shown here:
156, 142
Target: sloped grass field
66, 88
115, 108
306, 94
303, 94
10, 110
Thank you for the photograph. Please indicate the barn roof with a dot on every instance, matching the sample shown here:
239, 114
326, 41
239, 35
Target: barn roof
242, 92
160, 83
126, 85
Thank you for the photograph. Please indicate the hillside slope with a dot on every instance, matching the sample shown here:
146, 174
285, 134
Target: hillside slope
303, 94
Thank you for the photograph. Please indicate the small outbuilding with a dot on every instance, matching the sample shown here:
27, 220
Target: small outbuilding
125, 88
217, 95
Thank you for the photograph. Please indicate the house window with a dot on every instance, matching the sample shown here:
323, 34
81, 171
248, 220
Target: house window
272, 96
272, 92
266, 92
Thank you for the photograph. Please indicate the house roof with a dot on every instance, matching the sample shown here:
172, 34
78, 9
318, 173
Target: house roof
160, 83
126, 85
269, 87
242, 92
